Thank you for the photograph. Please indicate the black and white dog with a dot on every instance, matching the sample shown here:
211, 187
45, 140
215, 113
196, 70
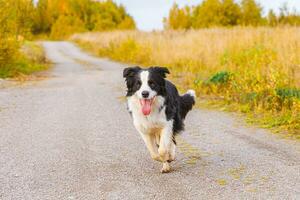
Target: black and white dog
157, 109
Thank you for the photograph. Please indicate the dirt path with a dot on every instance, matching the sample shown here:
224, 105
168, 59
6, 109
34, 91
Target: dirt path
70, 137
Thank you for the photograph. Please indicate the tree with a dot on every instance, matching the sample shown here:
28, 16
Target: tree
179, 18
287, 17
251, 13
126, 24
42, 19
84, 15
9, 43
70, 25
210, 13
23, 10
207, 14
231, 13
272, 18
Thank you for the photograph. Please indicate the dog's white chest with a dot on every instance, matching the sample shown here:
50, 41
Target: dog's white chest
146, 123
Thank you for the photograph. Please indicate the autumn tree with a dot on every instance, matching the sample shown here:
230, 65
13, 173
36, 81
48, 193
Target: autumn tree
230, 13
272, 18
8, 41
23, 11
288, 17
251, 13
211, 13
43, 19
66, 25
15, 24
60, 18
179, 18
207, 14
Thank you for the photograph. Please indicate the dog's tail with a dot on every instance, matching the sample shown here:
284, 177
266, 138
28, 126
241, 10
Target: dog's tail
186, 102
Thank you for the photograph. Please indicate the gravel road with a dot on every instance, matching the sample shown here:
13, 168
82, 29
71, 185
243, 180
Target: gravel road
70, 137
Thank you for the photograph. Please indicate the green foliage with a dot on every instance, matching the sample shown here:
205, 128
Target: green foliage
212, 13
286, 93
21, 66
219, 78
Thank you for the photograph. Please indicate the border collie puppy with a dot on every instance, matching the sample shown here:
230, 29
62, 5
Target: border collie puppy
158, 111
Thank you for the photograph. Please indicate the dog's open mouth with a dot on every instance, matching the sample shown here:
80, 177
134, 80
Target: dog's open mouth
146, 105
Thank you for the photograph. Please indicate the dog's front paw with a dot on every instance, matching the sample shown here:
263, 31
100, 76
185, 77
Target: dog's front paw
164, 154
166, 168
156, 157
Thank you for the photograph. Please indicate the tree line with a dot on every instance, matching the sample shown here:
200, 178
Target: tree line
62, 17
55, 19
212, 13
58, 18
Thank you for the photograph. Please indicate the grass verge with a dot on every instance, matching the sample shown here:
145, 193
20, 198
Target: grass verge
29, 60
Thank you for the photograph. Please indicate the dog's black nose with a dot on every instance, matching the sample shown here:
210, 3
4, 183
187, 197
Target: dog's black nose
145, 94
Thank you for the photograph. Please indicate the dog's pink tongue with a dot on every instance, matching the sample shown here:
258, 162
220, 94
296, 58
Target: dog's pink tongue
146, 106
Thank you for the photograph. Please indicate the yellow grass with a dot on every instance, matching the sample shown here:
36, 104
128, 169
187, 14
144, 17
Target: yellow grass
252, 70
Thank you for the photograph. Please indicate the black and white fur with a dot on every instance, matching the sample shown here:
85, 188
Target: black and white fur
168, 110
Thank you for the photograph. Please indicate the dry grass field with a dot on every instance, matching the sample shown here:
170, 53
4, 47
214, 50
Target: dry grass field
250, 70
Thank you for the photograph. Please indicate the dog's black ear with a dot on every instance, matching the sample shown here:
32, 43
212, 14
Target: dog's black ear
161, 70
130, 71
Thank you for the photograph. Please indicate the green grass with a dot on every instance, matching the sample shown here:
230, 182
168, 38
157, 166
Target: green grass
22, 66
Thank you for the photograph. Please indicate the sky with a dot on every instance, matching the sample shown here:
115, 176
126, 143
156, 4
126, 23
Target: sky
149, 14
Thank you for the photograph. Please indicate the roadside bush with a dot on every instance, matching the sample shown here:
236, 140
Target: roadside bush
8, 50
27, 60
220, 78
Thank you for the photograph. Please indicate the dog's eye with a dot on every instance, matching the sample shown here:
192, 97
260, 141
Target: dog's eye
151, 83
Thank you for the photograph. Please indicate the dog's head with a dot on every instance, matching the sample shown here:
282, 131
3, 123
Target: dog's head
146, 84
